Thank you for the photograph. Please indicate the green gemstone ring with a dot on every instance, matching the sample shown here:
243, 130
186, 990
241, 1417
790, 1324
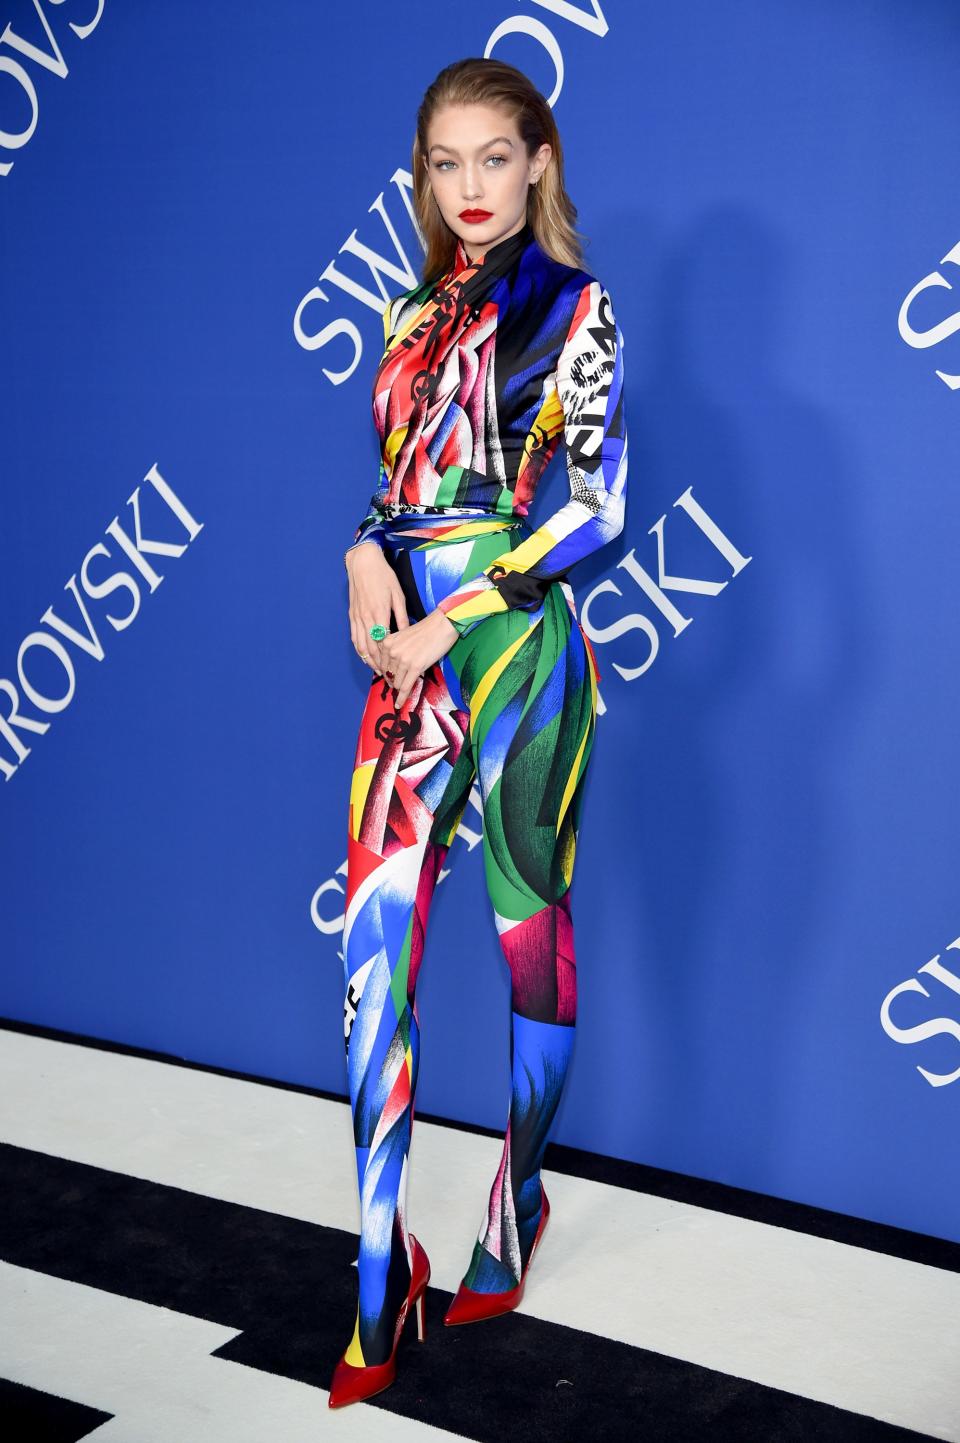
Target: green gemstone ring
378, 632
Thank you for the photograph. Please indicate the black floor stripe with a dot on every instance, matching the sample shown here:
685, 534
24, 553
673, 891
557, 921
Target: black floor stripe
878, 1237
290, 1287
29, 1416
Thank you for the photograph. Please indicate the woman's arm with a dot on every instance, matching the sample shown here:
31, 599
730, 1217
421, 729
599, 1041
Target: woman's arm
371, 527
590, 391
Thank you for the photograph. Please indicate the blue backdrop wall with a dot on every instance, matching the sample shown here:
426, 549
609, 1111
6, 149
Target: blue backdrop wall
204, 209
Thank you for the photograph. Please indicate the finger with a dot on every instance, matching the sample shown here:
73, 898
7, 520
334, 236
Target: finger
355, 636
400, 607
373, 647
387, 658
404, 685
415, 686
362, 643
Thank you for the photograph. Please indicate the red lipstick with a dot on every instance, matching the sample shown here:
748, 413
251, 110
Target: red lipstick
476, 216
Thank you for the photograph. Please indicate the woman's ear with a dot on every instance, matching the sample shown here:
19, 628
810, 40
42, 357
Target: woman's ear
541, 160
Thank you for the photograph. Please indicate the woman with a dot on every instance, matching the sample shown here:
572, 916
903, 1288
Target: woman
507, 344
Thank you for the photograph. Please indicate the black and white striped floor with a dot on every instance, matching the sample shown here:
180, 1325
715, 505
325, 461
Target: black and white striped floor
175, 1267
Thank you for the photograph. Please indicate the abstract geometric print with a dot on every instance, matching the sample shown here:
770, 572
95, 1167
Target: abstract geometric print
513, 707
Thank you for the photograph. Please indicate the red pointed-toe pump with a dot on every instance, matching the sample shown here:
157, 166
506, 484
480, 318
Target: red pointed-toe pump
471, 1307
350, 1384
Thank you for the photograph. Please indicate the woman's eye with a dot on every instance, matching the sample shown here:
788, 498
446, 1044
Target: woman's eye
501, 161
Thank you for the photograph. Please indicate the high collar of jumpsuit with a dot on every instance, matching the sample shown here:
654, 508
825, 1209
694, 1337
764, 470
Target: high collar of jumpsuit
492, 261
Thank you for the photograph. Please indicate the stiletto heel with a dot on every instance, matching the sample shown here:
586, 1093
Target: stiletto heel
471, 1307
350, 1384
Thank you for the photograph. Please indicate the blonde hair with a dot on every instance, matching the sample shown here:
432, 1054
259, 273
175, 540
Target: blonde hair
550, 211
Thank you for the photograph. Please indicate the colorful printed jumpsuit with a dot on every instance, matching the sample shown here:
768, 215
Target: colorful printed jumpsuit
482, 373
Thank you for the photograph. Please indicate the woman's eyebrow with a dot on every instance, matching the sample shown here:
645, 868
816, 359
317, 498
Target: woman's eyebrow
505, 138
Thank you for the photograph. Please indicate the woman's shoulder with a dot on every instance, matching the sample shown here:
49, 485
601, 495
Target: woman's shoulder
560, 271
575, 285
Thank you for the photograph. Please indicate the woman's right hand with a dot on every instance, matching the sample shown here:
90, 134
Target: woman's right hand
375, 591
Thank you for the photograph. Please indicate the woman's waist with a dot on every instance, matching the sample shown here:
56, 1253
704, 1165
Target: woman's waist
447, 492
407, 519
397, 510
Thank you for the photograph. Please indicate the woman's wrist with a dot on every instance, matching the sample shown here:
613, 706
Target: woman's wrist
450, 629
356, 547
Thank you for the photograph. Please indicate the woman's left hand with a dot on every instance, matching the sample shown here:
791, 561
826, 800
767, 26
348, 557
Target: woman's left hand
407, 654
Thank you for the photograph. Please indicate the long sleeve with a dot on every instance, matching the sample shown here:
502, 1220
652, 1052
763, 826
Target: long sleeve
371, 527
589, 381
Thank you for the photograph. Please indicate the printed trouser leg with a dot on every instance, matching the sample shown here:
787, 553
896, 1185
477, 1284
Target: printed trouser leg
532, 722
412, 776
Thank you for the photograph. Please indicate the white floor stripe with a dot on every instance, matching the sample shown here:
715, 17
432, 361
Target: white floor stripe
151, 1368
839, 1324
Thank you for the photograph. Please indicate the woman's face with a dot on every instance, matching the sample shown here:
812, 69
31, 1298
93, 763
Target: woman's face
480, 173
